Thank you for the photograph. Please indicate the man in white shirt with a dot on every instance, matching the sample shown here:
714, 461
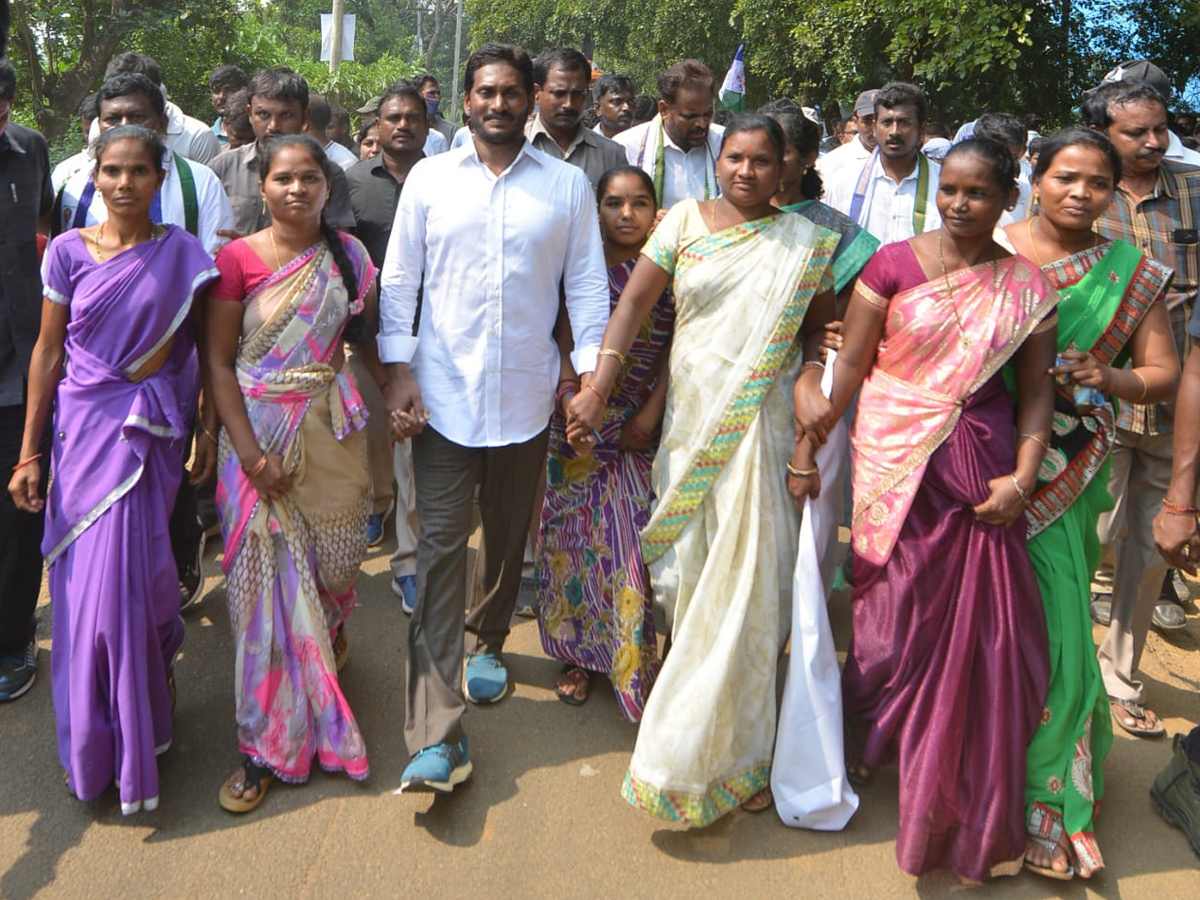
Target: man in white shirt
131, 99
858, 149
82, 160
487, 232
614, 104
893, 194
1011, 132
679, 147
188, 137
319, 115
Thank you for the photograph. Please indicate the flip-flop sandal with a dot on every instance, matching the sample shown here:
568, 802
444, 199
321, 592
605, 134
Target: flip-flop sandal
1046, 830
252, 775
760, 802
577, 677
1128, 714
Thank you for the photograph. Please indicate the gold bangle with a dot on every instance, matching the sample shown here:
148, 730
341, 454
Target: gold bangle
258, 467
208, 434
615, 354
1020, 490
801, 473
813, 364
1034, 437
1145, 387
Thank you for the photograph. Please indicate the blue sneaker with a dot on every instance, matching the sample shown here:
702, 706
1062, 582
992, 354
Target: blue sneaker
485, 679
437, 769
17, 671
375, 530
405, 587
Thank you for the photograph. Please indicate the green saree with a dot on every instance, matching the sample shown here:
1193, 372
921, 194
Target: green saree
1105, 293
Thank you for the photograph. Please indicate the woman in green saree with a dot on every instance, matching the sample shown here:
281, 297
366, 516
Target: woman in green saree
1110, 314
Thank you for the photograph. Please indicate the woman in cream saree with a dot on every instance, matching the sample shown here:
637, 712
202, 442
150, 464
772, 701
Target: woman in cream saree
721, 542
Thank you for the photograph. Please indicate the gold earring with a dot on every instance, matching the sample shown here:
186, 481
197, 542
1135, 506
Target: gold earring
779, 190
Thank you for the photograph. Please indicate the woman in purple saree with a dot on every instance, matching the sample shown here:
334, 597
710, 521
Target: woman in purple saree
947, 667
118, 314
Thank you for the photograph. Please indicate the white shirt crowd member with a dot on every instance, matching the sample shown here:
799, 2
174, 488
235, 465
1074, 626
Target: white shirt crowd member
890, 211
677, 175
488, 251
339, 155
212, 206
850, 155
188, 137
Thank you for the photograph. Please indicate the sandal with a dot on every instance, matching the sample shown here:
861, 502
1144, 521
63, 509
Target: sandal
760, 802
1046, 830
1135, 719
578, 680
253, 776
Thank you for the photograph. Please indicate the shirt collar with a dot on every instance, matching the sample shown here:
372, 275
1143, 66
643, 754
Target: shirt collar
911, 176
537, 127
9, 141
1166, 186
527, 151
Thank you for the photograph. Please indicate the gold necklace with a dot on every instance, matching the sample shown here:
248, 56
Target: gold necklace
274, 249
1033, 244
964, 340
96, 236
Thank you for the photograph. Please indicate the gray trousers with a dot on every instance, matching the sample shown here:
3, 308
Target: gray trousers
446, 476
1131, 569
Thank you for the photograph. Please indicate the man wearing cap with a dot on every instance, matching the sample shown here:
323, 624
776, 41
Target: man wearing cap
857, 150
1144, 70
1156, 207
679, 147
893, 192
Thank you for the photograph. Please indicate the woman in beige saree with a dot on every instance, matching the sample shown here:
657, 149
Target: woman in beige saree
752, 288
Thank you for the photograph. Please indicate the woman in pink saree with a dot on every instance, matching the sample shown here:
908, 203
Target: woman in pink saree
293, 491
947, 667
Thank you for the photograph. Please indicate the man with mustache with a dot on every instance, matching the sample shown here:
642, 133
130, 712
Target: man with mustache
375, 188
486, 233
615, 97
560, 88
853, 152
893, 192
679, 147
278, 105
1156, 207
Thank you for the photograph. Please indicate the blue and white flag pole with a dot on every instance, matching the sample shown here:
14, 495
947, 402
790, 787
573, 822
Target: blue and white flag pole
733, 88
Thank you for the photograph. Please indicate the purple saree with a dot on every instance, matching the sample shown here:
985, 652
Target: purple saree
948, 664
118, 451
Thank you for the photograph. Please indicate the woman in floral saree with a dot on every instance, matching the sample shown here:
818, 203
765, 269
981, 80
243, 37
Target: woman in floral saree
1109, 314
118, 314
752, 288
594, 607
293, 490
947, 669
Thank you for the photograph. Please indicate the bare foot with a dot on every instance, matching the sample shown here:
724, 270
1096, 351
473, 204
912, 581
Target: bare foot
1040, 855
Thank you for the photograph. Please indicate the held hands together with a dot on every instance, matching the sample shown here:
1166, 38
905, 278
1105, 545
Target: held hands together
406, 413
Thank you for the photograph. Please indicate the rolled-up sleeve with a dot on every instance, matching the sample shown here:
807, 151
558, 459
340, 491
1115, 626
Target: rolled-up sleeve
585, 280
400, 278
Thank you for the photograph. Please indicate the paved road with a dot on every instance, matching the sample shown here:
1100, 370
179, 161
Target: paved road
542, 816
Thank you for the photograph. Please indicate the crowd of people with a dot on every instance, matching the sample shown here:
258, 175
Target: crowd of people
656, 361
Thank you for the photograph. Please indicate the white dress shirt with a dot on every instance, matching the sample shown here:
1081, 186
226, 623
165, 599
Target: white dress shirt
435, 143
213, 209
490, 252
685, 175
70, 167
852, 154
339, 155
1180, 153
887, 210
462, 136
188, 137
